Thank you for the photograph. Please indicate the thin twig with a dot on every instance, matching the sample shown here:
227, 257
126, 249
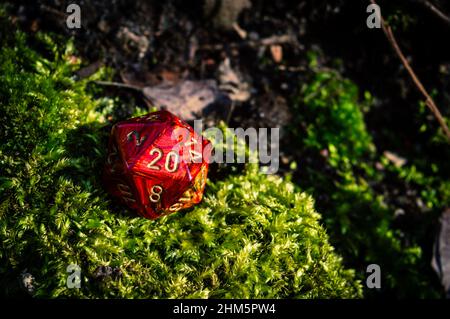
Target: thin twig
139, 89
276, 39
428, 100
119, 85
54, 11
435, 10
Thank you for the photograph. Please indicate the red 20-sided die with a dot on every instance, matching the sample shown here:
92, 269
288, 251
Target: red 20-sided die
156, 164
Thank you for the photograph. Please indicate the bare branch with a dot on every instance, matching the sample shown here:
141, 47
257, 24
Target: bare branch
276, 39
428, 100
435, 10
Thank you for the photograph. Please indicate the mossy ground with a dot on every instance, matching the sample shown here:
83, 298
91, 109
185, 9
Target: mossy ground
355, 183
252, 236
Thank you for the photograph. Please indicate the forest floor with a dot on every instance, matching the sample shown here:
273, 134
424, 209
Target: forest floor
276, 49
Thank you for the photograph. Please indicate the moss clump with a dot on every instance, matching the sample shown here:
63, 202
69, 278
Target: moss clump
334, 118
344, 175
252, 236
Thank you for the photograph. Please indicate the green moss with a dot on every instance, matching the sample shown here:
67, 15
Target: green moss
343, 174
252, 236
334, 118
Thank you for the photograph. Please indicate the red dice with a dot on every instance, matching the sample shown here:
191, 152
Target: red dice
156, 164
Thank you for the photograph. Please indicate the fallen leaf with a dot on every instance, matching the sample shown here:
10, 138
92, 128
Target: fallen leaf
225, 13
241, 32
186, 99
441, 252
90, 69
277, 52
231, 83
394, 158
34, 26
140, 41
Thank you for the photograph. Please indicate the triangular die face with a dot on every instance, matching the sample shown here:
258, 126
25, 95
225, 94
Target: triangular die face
153, 118
142, 185
200, 179
132, 139
157, 195
193, 194
192, 147
124, 190
189, 198
114, 164
198, 156
163, 159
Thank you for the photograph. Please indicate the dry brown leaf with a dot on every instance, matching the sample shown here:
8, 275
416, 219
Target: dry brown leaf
394, 158
187, 99
277, 52
232, 84
441, 253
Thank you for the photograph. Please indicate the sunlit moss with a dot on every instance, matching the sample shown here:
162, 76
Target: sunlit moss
344, 174
252, 236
